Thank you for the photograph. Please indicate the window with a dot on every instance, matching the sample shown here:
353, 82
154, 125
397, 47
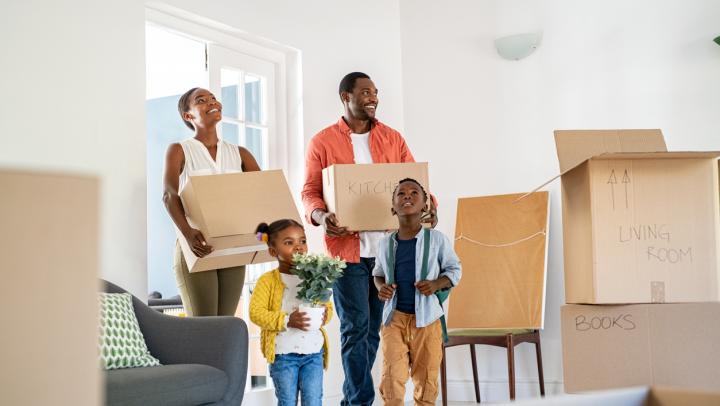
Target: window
250, 79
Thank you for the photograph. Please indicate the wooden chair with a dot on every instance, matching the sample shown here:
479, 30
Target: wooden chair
499, 338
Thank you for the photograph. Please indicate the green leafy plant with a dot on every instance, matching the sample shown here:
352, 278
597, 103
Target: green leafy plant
317, 274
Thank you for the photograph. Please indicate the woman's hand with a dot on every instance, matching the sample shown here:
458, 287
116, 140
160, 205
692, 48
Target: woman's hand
299, 320
197, 243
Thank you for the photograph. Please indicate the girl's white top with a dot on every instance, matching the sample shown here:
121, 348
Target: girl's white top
293, 340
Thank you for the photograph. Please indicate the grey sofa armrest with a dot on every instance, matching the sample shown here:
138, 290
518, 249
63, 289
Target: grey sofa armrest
220, 342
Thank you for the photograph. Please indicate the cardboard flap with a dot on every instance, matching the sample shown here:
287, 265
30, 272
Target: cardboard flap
502, 245
235, 203
576, 146
659, 155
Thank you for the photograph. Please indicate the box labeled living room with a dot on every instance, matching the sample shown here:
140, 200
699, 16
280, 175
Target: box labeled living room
640, 224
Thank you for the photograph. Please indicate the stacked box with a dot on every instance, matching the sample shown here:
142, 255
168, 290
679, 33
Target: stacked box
641, 234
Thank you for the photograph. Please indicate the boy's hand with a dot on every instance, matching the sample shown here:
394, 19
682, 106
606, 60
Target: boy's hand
426, 287
386, 291
299, 320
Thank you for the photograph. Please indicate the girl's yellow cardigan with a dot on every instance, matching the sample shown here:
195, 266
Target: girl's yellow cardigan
265, 311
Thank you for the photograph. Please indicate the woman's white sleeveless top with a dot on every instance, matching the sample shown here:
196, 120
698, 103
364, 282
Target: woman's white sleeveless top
199, 162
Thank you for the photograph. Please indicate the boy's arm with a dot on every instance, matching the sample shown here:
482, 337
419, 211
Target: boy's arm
260, 313
449, 262
385, 291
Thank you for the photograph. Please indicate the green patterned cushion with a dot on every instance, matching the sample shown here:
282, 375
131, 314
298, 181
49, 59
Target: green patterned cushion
122, 344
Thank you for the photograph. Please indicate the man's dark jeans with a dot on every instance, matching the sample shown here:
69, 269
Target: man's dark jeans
360, 312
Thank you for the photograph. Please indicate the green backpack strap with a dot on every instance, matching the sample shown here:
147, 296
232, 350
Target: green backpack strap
442, 295
391, 259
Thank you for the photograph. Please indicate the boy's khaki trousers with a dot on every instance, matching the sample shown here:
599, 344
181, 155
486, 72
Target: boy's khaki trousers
409, 351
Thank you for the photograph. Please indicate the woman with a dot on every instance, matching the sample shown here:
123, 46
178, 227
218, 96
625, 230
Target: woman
207, 293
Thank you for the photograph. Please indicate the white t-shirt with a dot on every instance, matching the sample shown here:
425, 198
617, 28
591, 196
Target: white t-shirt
368, 239
293, 340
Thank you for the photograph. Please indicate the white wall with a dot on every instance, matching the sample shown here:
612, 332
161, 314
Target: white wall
73, 100
485, 124
334, 38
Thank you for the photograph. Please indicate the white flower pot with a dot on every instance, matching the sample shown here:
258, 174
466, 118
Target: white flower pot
315, 314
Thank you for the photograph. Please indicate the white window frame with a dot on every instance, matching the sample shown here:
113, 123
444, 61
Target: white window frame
288, 146
286, 133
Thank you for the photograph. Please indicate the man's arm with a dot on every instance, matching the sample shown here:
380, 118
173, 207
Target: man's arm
312, 193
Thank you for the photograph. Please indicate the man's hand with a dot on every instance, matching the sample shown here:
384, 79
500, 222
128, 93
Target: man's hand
299, 320
330, 223
197, 243
386, 291
430, 216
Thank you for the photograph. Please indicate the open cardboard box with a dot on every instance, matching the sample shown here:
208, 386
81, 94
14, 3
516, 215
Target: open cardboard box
609, 346
360, 195
640, 224
635, 396
227, 208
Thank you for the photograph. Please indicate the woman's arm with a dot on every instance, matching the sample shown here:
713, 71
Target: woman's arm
174, 162
249, 164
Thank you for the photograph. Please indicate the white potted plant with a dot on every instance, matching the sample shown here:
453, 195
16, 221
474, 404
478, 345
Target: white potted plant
317, 274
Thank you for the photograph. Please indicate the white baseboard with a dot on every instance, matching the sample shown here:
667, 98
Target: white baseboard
498, 391
490, 391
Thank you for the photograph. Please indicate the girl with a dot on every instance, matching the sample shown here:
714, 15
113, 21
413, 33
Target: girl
209, 293
296, 355
412, 332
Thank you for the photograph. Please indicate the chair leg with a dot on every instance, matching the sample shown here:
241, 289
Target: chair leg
538, 354
511, 365
443, 378
475, 373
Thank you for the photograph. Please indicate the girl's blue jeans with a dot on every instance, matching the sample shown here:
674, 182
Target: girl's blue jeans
293, 373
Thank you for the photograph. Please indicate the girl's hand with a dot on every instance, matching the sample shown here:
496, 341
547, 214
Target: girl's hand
324, 317
427, 288
386, 291
299, 320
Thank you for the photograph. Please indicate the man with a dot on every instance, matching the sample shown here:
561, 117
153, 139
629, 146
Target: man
357, 137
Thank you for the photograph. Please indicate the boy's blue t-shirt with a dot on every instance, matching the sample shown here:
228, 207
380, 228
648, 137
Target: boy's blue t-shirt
405, 275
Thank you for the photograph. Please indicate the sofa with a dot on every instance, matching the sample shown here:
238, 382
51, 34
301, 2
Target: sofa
204, 361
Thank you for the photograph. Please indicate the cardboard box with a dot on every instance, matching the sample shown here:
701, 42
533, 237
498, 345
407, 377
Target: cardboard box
50, 250
502, 243
644, 344
227, 208
636, 396
360, 195
640, 224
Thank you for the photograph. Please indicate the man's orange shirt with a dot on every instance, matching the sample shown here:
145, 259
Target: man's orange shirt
333, 145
